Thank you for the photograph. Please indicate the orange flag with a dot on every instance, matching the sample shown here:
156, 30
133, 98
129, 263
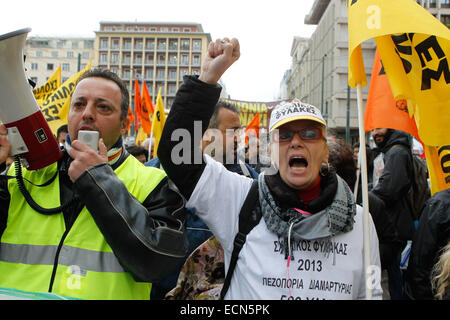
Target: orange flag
252, 128
137, 104
130, 118
146, 110
382, 111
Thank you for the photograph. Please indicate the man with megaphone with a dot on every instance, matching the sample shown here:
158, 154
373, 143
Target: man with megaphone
94, 224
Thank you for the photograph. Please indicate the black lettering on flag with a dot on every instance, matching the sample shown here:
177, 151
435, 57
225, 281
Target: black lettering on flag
445, 160
423, 50
404, 49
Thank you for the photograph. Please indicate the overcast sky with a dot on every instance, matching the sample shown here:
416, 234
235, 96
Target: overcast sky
265, 29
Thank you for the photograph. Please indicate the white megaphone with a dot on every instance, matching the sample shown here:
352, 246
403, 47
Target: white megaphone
28, 132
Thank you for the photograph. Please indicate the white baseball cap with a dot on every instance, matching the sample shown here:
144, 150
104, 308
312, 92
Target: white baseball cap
294, 110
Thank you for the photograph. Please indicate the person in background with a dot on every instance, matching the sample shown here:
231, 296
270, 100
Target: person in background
392, 178
61, 134
303, 202
226, 124
149, 145
94, 225
225, 120
252, 154
432, 235
342, 160
138, 152
441, 275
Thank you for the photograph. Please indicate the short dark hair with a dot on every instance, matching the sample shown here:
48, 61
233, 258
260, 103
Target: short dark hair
341, 159
109, 75
214, 121
63, 128
137, 151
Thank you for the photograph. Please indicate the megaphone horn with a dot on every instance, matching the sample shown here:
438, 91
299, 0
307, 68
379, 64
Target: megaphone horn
28, 132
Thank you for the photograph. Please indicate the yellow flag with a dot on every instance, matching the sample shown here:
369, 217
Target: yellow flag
56, 108
438, 160
44, 92
141, 136
159, 119
415, 50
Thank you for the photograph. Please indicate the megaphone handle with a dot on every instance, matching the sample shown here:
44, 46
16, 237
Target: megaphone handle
18, 146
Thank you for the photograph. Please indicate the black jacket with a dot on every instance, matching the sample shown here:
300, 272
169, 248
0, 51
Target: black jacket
433, 234
148, 238
395, 182
194, 103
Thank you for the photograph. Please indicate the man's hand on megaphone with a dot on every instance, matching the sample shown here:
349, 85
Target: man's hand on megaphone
84, 157
5, 145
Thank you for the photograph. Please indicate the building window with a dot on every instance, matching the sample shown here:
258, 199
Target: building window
126, 44
61, 43
173, 44
38, 54
88, 44
196, 60
115, 58
184, 59
138, 44
175, 29
126, 58
50, 66
186, 29
185, 44
149, 73
85, 55
197, 45
149, 44
160, 75
115, 44
183, 72
103, 58
138, 59
161, 44
161, 60
103, 43
172, 74
74, 44
69, 54
34, 66
54, 54
445, 19
66, 67
172, 89
173, 59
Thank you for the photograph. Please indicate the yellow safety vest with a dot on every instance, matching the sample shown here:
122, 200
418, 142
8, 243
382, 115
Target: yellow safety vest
87, 267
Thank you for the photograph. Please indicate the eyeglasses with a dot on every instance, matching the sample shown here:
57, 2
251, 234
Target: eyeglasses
310, 134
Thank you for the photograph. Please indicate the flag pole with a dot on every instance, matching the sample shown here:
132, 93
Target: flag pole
365, 194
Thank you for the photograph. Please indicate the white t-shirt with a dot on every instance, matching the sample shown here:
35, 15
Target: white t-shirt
261, 272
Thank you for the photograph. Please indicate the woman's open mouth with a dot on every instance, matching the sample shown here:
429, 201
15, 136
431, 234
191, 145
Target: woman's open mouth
298, 163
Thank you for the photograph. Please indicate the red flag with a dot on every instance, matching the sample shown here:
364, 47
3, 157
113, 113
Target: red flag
382, 111
146, 110
252, 128
137, 104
